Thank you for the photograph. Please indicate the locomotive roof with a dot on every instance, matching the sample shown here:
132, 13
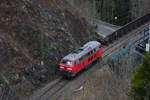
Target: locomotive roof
76, 54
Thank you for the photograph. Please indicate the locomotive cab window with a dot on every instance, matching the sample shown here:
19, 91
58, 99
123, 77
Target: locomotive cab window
67, 62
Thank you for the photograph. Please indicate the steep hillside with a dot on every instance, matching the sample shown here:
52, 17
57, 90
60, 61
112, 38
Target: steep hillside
34, 35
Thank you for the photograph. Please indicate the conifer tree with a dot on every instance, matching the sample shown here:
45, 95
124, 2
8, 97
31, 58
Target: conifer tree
140, 81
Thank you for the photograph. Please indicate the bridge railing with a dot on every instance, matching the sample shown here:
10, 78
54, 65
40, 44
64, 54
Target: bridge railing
128, 28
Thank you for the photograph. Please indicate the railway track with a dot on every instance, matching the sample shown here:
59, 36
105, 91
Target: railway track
108, 50
57, 87
61, 83
122, 41
52, 90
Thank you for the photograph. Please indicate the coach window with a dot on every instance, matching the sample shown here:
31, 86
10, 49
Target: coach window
80, 59
89, 53
77, 61
89, 59
96, 48
92, 52
86, 55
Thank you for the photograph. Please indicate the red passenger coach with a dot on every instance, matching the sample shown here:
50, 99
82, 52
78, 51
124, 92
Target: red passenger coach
80, 58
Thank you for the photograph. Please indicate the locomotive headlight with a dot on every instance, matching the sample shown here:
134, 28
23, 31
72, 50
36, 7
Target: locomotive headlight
61, 67
69, 69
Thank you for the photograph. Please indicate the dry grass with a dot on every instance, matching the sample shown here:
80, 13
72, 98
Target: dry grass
103, 86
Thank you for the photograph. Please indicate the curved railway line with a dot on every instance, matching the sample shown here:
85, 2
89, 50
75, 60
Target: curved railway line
60, 84
52, 90
124, 40
115, 43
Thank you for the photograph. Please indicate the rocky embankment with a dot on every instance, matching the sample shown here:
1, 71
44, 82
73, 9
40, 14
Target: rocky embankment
34, 35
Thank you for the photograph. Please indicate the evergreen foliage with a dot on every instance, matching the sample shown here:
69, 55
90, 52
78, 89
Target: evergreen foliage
1, 79
140, 81
121, 10
108, 10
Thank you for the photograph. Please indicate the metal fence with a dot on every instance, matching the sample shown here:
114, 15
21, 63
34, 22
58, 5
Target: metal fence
128, 28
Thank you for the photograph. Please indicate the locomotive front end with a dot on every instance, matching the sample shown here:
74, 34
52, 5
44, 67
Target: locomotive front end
67, 67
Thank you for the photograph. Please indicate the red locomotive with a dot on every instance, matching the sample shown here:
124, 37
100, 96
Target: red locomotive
80, 58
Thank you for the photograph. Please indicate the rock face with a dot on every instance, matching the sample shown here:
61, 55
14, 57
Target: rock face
35, 34
6, 93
